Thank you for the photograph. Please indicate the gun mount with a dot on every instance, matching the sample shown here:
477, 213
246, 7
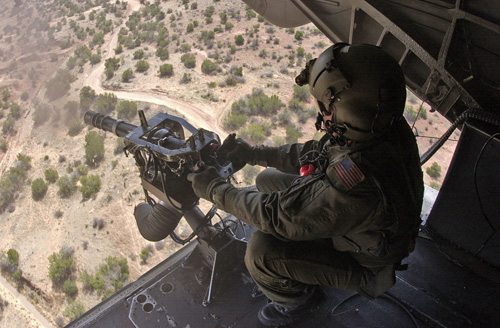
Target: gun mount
165, 157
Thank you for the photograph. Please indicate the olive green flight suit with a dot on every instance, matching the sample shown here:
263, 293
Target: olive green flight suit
320, 229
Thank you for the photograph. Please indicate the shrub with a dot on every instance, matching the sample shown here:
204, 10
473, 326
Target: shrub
434, 171
144, 254
410, 114
61, 265
3, 144
75, 126
189, 60
90, 186
292, 135
162, 53
38, 189
301, 93
109, 277
74, 310
139, 54
106, 103
82, 169
59, 85
166, 70
127, 75
13, 257
127, 110
255, 132
141, 66
98, 223
186, 78
208, 66
239, 40
233, 121
66, 186
70, 288
18, 275
120, 144
87, 95
8, 126
94, 148
299, 35
42, 114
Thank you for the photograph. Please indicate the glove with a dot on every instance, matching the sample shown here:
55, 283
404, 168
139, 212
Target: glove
205, 181
238, 151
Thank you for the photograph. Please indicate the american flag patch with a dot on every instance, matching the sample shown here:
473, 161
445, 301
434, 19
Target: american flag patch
348, 173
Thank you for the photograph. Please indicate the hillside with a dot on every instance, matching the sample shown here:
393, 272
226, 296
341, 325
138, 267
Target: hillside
216, 53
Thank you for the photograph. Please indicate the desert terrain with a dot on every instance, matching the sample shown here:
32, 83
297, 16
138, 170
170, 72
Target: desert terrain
39, 38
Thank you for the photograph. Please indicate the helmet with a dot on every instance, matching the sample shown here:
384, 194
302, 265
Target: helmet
361, 84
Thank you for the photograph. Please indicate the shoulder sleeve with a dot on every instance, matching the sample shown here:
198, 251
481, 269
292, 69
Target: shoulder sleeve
311, 209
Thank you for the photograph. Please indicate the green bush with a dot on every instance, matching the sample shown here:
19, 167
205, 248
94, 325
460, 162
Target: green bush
120, 144
292, 135
255, 132
59, 85
434, 171
42, 114
208, 66
127, 110
66, 186
127, 75
61, 265
3, 144
90, 186
301, 93
82, 169
106, 103
74, 310
18, 275
38, 189
9, 125
75, 126
162, 53
13, 257
94, 148
239, 40
166, 70
141, 66
139, 54
51, 175
410, 114
109, 277
87, 96
70, 288
13, 180
233, 121
189, 60
144, 254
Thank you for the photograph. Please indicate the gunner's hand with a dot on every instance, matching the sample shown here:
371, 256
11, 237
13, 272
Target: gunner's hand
238, 151
204, 181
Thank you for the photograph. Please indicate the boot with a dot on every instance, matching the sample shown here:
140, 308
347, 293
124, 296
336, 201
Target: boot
276, 315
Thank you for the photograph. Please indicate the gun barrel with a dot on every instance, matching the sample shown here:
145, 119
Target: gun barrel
107, 123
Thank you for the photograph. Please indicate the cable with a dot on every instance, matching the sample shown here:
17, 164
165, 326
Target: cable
474, 113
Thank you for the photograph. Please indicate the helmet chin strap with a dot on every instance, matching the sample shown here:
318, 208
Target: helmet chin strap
335, 130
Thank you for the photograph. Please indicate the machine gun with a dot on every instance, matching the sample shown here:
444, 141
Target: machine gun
165, 157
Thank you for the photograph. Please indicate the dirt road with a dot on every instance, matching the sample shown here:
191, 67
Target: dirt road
24, 306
